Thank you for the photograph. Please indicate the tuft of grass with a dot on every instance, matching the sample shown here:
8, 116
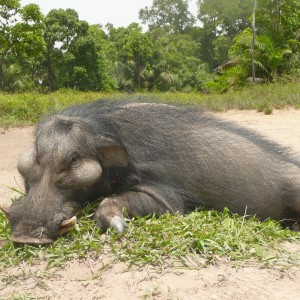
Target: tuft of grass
205, 234
202, 235
25, 296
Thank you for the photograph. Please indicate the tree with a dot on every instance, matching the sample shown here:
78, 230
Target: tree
221, 22
138, 48
89, 70
266, 56
173, 15
75, 55
20, 34
228, 17
134, 51
175, 64
278, 18
63, 27
221, 45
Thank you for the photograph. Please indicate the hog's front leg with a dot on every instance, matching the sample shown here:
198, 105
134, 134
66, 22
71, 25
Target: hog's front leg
141, 203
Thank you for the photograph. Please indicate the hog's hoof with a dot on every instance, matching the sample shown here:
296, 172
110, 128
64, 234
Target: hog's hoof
110, 220
118, 224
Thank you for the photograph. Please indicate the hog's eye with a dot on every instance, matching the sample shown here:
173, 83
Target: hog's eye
74, 160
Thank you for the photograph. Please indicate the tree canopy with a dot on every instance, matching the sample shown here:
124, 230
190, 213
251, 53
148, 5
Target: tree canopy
21, 30
172, 15
175, 50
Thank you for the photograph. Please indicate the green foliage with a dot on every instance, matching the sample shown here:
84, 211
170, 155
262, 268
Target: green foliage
267, 57
14, 79
59, 50
276, 25
89, 70
62, 30
278, 19
134, 51
229, 17
222, 21
221, 46
172, 15
292, 55
175, 65
20, 35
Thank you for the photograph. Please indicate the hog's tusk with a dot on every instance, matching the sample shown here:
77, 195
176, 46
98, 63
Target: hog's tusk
66, 225
69, 223
5, 209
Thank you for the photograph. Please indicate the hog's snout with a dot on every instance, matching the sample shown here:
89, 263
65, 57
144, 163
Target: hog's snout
28, 232
41, 235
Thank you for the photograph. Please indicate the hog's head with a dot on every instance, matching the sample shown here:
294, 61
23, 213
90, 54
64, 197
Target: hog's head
62, 172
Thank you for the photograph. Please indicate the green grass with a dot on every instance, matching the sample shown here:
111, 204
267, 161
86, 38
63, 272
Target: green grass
202, 235
259, 97
27, 108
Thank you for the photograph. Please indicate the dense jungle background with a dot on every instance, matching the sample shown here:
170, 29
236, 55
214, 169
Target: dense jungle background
227, 45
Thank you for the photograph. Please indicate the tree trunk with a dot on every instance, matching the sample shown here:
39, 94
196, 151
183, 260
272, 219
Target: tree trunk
278, 15
253, 41
138, 71
1, 74
51, 76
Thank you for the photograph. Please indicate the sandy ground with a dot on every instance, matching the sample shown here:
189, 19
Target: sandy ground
13, 142
89, 279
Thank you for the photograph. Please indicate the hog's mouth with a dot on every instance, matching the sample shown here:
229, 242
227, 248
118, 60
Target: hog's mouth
28, 240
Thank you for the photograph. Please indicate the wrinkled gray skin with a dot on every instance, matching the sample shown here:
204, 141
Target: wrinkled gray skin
148, 158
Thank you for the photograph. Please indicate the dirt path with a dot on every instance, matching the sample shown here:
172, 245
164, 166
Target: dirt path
283, 126
87, 279
13, 142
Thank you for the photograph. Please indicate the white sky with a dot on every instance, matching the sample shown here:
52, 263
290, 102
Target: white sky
118, 12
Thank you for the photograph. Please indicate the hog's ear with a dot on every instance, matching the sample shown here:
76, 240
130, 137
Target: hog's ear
112, 154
